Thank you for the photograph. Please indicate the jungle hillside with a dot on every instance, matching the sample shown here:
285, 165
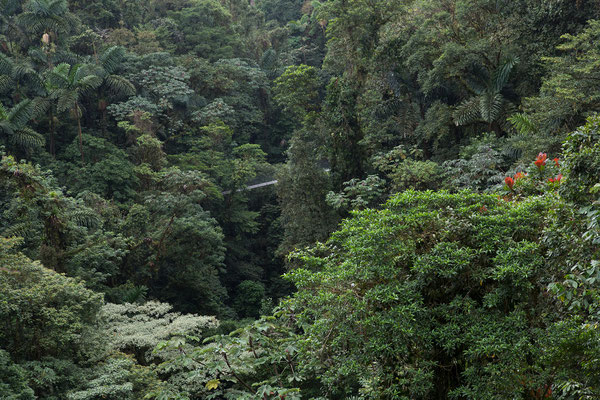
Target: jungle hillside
299, 199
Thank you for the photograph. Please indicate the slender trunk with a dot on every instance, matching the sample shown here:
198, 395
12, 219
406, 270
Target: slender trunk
104, 124
79, 131
52, 128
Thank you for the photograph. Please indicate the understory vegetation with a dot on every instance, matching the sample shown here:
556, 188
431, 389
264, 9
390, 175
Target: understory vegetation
299, 199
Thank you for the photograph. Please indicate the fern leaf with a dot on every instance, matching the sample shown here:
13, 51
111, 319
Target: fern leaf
85, 217
17, 230
6, 128
522, 123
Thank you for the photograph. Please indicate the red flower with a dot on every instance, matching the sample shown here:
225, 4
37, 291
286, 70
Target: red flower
556, 162
509, 182
540, 160
555, 180
519, 175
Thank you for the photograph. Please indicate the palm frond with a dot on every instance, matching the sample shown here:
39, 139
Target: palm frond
6, 83
89, 83
75, 73
501, 74
39, 7
119, 86
37, 55
27, 138
65, 99
490, 106
21, 113
68, 57
466, 112
6, 128
6, 65
57, 7
59, 76
23, 72
40, 106
112, 58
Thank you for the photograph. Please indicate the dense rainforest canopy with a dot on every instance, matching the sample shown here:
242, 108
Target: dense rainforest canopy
430, 230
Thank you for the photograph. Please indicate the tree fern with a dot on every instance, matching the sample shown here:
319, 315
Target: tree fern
13, 124
68, 85
488, 105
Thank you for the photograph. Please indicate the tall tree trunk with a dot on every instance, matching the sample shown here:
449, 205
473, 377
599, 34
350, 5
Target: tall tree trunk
79, 131
52, 129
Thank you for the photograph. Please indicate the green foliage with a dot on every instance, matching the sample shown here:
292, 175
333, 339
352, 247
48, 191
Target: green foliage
138, 328
256, 361
45, 313
158, 114
13, 380
108, 173
47, 16
250, 296
113, 379
408, 173
296, 90
207, 30
568, 93
301, 190
358, 195
436, 295
480, 168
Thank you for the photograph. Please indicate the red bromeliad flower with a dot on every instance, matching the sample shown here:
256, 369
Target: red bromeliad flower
519, 175
540, 160
555, 180
556, 162
509, 182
